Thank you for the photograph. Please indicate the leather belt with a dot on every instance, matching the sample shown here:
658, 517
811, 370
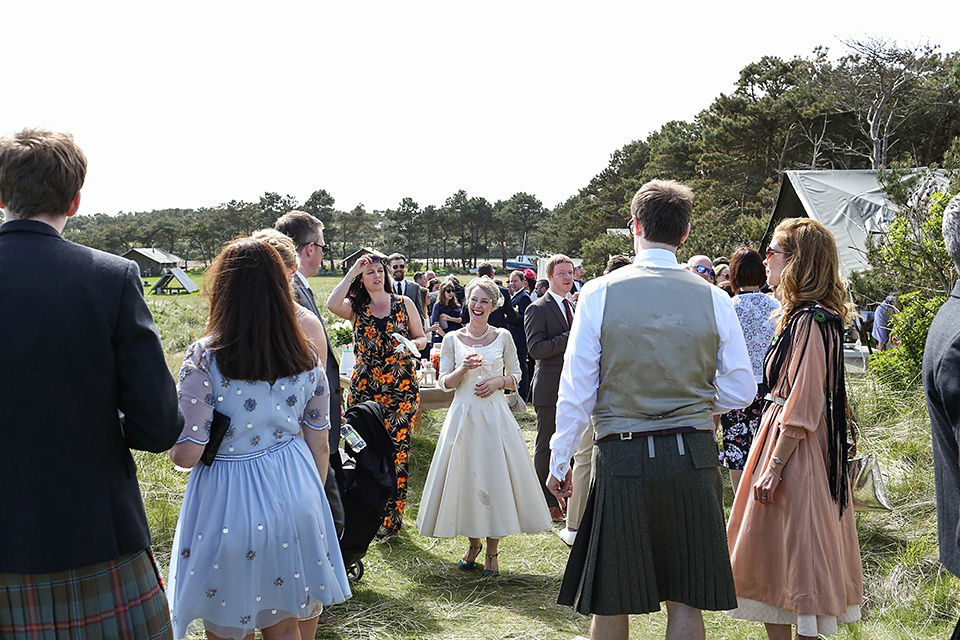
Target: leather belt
637, 434
775, 399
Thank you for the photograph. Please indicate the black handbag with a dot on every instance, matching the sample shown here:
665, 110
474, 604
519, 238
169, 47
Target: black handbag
218, 429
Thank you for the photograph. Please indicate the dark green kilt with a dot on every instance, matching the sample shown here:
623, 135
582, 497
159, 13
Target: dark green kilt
122, 598
653, 530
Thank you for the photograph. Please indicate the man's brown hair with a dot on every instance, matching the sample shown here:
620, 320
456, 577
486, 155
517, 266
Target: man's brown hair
302, 228
663, 208
554, 260
41, 172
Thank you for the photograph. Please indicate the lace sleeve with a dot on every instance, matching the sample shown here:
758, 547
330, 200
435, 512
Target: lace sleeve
316, 415
195, 393
447, 360
511, 362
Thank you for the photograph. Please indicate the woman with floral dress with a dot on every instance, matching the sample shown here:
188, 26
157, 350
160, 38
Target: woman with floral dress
754, 310
384, 371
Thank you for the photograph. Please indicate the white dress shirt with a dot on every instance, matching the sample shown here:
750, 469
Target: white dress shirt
302, 278
560, 300
734, 383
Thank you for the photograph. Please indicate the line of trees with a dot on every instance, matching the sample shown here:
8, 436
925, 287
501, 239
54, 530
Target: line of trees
454, 234
878, 104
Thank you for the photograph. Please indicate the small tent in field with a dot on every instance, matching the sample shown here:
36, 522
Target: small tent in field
174, 281
852, 204
153, 261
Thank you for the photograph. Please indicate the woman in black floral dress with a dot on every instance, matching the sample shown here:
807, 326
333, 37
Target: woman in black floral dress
754, 310
382, 373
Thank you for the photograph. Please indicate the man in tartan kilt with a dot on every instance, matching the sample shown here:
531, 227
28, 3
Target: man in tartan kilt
82, 381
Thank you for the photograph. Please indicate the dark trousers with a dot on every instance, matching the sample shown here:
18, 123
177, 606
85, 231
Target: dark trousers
531, 365
331, 486
524, 387
546, 427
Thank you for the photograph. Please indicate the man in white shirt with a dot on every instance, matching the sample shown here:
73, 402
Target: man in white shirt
673, 355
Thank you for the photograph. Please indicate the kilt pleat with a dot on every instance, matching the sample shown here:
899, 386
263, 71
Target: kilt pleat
652, 530
121, 598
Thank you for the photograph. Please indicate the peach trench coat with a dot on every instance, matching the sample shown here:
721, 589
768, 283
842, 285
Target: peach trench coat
796, 554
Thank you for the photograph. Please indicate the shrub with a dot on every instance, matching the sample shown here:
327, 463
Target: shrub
900, 367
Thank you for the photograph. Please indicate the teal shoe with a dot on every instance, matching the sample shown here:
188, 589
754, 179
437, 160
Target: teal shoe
470, 565
491, 573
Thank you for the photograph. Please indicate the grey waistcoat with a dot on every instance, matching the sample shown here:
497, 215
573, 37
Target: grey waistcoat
658, 352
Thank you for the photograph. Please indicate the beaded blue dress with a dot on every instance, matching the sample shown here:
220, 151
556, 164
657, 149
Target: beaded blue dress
255, 542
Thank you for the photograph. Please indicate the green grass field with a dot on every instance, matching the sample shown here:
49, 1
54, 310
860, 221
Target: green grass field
412, 588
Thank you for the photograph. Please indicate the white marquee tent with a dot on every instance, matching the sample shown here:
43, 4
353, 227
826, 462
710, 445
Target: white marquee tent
851, 204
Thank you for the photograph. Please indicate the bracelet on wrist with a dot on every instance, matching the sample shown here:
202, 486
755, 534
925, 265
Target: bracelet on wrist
778, 461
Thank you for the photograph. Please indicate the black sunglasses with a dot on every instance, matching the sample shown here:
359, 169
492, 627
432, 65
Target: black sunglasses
323, 247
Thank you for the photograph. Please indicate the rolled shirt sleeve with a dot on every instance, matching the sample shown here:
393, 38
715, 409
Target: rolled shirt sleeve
580, 378
735, 383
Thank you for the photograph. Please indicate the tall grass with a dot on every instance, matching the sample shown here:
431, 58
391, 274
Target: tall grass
412, 588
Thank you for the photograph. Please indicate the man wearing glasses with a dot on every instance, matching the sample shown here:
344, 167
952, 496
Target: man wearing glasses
398, 268
703, 267
307, 234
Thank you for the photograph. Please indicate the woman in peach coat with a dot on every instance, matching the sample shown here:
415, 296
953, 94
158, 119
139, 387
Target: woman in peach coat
792, 532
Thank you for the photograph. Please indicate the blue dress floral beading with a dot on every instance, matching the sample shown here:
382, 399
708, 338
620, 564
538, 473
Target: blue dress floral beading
255, 542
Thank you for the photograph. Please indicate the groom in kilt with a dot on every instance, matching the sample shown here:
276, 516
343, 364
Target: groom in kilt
673, 354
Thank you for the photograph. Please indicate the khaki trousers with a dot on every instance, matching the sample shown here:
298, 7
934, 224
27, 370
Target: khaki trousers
582, 466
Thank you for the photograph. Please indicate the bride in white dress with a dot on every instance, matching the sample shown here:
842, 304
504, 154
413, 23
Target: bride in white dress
481, 483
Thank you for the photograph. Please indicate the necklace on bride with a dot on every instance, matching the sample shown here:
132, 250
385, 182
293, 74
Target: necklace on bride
479, 337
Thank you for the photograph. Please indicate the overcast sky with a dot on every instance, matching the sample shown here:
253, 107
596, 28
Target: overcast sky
190, 104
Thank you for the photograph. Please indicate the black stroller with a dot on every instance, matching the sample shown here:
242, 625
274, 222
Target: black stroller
369, 479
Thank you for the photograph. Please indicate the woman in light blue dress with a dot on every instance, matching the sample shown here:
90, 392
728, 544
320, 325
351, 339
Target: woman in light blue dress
255, 546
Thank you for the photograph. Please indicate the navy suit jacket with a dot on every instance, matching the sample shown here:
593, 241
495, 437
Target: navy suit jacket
941, 380
520, 302
78, 347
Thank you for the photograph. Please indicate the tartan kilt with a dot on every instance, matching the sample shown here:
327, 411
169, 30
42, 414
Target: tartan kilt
121, 598
653, 530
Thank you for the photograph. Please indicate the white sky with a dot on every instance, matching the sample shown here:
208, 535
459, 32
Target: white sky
190, 104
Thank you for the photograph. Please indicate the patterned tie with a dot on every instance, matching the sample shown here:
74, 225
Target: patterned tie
569, 310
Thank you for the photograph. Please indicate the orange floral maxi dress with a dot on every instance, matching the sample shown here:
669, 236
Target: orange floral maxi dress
388, 378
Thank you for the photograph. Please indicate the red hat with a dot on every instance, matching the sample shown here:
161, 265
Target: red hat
529, 274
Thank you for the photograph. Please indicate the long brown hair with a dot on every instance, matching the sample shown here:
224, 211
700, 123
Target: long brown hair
253, 325
358, 295
811, 271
